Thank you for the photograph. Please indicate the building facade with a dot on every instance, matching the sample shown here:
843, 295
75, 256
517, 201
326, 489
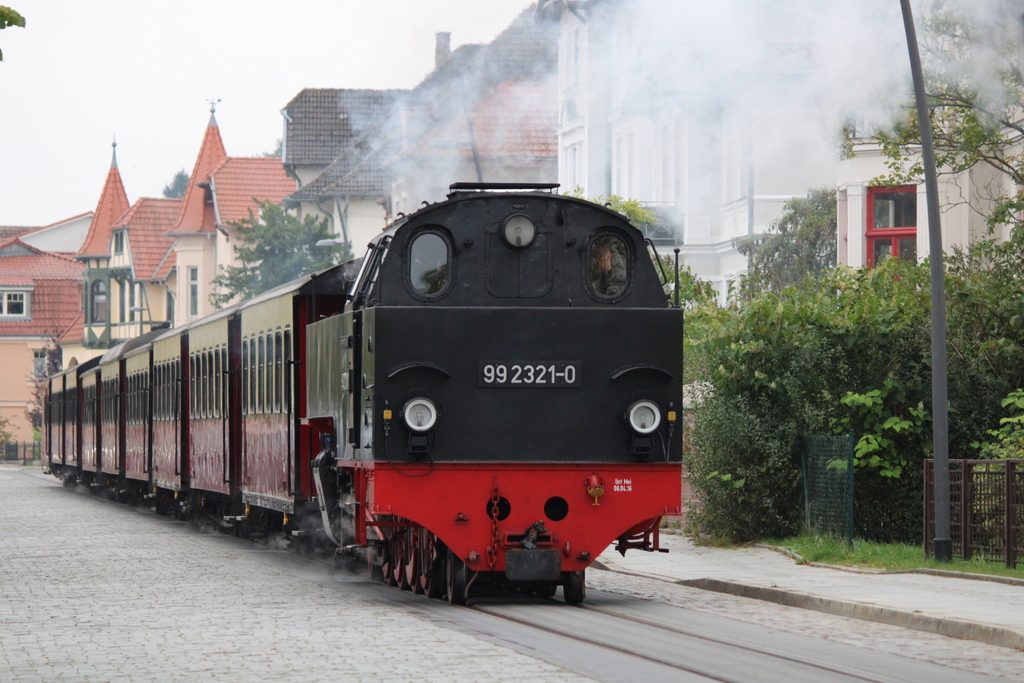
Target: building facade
877, 222
40, 298
683, 125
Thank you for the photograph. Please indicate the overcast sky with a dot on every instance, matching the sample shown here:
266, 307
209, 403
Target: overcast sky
82, 72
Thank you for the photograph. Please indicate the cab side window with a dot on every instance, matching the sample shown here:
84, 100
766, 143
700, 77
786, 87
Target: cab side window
429, 261
608, 268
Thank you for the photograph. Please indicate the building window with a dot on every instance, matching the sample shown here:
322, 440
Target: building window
119, 242
573, 177
14, 304
39, 363
892, 223
193, 292
122, 303
170, 308
98, 302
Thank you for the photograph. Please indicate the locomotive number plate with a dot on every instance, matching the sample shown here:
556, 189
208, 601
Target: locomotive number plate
560, 373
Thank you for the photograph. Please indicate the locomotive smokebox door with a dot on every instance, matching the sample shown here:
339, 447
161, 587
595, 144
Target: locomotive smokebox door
533, 565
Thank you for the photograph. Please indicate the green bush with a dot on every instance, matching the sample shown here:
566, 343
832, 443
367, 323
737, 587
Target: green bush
847, 349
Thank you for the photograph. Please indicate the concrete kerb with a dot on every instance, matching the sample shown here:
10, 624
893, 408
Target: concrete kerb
955, 628
1009, 580
947, 626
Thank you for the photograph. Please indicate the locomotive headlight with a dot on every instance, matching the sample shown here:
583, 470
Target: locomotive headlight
519, 230
644, 417
420, 414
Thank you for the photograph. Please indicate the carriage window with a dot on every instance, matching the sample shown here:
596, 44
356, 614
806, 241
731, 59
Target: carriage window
176, 388
207, 384
608, 266
261, 373
252, 375
245, 377
193, 403
218, 387
429, 264
287, 371
278, 375
271, 380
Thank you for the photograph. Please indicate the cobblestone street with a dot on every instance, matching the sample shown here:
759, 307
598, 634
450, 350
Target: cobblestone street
96, 591
125, 595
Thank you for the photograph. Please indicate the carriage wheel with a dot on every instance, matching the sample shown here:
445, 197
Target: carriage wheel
457, 575
574, 587
432, 565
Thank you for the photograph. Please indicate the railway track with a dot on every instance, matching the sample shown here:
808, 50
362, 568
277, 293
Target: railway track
706, 648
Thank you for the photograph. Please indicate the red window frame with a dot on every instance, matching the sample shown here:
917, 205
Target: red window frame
893, 234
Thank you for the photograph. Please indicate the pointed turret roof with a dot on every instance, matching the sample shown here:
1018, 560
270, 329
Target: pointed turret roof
193, 216
111, 206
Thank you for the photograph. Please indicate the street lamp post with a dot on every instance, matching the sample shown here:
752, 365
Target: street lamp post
943, 543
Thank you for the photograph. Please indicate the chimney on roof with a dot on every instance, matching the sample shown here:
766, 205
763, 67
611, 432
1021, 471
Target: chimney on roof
442, 47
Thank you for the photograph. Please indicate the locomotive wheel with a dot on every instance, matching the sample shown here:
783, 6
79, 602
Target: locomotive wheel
411, 580
432, 565
398, 555
457, 575
574, 587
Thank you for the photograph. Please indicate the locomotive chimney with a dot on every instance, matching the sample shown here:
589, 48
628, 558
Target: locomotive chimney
442, 47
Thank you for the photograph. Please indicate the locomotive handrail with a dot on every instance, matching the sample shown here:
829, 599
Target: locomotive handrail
477, 187
415, 364
640, 366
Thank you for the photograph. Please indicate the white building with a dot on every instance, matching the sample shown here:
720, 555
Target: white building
682, 125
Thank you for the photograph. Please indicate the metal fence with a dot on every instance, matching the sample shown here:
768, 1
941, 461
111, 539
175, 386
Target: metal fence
986, 509
827, 464
25, 451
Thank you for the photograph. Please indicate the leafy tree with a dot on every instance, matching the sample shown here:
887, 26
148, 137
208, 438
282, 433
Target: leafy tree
176, 188
274, 247
40, 382
5, 435
632, 209
801, 242
972, 60
276, 152
9, 17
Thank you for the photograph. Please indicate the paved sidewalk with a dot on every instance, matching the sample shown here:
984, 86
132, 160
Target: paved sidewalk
965, 608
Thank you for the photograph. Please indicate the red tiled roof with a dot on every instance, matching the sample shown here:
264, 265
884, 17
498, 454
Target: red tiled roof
75, 331
516, 119
111, 206
21, 264
54, 304
56, 296
240, 181
9, 231
194, 215
147, 223
164, 268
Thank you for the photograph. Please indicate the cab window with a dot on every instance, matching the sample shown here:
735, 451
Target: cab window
608, 266
429, 264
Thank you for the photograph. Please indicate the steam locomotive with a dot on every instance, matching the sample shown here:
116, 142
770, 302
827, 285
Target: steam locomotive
489, 396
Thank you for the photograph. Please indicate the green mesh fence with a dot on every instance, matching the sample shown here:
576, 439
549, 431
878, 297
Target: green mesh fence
827, 463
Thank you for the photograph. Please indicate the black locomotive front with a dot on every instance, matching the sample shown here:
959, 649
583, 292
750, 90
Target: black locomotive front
511, 382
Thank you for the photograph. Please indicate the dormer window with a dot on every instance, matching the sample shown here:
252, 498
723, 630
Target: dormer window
119, 242
14, 304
